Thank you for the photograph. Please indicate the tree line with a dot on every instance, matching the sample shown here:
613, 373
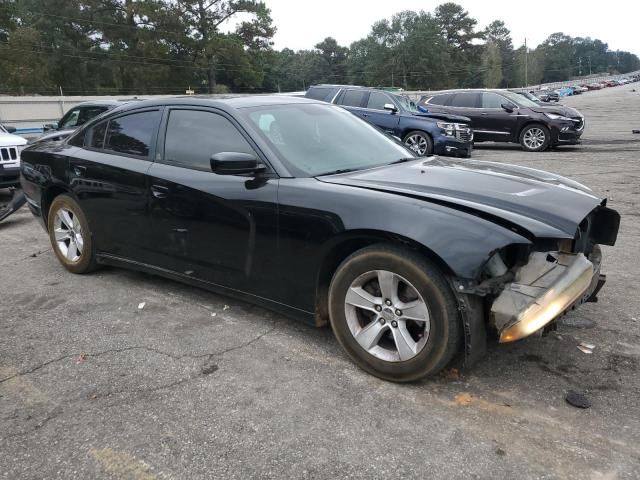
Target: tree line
94, 47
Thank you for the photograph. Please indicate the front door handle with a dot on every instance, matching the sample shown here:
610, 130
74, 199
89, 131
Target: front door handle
79, 170
365, 114
484, 113
159, 191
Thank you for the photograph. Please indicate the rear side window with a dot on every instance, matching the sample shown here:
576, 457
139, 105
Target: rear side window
322, 93
464, 100
132, 134
193, 136
377, 101
352, 98
441, 99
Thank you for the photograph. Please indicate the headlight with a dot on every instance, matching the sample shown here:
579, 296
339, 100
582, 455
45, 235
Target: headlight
451, 128
554, 116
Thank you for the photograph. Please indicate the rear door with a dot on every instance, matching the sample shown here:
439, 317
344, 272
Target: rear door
217, 228
108, 175
354, 100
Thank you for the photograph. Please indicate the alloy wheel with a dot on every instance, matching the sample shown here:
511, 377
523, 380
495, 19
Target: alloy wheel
68, 234
387, 316
417, 143
534, 138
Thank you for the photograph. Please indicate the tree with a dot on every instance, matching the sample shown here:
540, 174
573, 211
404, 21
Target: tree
498, 34
492, 65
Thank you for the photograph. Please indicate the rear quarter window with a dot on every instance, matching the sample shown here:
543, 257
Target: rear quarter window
324, 94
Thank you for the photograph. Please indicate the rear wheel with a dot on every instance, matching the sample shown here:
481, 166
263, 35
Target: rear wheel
394, 313
70, 235
419, 142
535, 138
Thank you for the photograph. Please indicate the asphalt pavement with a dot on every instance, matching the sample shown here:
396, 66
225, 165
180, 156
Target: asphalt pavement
197, 386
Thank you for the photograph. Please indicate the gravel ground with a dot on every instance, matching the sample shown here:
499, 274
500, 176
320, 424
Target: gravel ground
91, 386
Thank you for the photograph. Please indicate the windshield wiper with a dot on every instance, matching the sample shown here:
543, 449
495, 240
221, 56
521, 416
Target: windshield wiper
336, 172
402, 160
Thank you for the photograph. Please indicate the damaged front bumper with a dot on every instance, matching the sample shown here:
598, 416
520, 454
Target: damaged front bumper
548, 285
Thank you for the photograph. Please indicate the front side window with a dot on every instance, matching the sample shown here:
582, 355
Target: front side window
377, 101
89, 113
194, 136
313, 140
492, 100
352, 98
132, 134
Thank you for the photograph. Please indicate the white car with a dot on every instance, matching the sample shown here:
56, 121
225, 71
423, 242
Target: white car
10, 148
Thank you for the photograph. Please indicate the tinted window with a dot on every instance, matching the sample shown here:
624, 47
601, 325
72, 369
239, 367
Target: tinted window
132, 134
464, 100
352, 98
441, 99
377, 101
492, 100
322, 93
96, 135
88, 113
193, 136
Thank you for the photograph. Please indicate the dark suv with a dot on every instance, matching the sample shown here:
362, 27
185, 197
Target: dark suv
424, 133
504, 116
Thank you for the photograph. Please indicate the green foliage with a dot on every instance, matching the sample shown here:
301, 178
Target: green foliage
93, 47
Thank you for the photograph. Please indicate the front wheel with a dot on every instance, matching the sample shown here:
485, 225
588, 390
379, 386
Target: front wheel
70, 235
419, 142
394, 313
535, 138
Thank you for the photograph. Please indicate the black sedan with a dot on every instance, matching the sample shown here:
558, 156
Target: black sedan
306, 209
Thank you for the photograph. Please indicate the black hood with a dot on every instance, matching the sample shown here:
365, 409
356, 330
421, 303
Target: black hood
542, 203
558, 110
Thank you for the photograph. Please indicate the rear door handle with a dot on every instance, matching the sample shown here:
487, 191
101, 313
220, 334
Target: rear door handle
159, 191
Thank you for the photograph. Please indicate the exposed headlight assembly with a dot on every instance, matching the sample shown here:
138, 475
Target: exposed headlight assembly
554, 116
451, 128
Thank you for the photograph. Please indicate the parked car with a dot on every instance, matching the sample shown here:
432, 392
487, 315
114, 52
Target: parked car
10, 149
425, 133
504, 116
529, 95
594, 86
301, 207
73, 119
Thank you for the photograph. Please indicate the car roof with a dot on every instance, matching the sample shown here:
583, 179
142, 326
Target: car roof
228, 104
473, 90
102, 103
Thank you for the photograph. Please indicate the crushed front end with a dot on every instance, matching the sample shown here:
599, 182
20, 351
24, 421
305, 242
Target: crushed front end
543, 283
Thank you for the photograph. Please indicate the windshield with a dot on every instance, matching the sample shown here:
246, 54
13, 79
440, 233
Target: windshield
519, 99
406, 104
313, 140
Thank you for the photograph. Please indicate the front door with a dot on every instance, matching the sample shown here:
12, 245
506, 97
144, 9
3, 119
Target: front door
377, 115
217, 228
495, 123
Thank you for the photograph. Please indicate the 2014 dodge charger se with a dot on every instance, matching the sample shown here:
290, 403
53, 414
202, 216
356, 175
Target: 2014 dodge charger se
305, 208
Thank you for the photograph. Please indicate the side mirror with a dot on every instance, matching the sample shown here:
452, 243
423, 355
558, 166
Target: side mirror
10, 129
50, 126
391, 107
235, 163
509, 107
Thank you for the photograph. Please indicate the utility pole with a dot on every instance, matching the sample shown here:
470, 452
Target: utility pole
579, 66
589, 57
526, 63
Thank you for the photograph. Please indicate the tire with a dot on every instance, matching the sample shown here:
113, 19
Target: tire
419, 142
70, 235
436, 340
535, 138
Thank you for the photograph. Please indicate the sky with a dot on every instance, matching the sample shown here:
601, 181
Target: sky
301, 23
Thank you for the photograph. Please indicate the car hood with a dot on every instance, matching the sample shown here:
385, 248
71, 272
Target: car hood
541, 203
558, 110
11, 140
53, 135
443, 116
